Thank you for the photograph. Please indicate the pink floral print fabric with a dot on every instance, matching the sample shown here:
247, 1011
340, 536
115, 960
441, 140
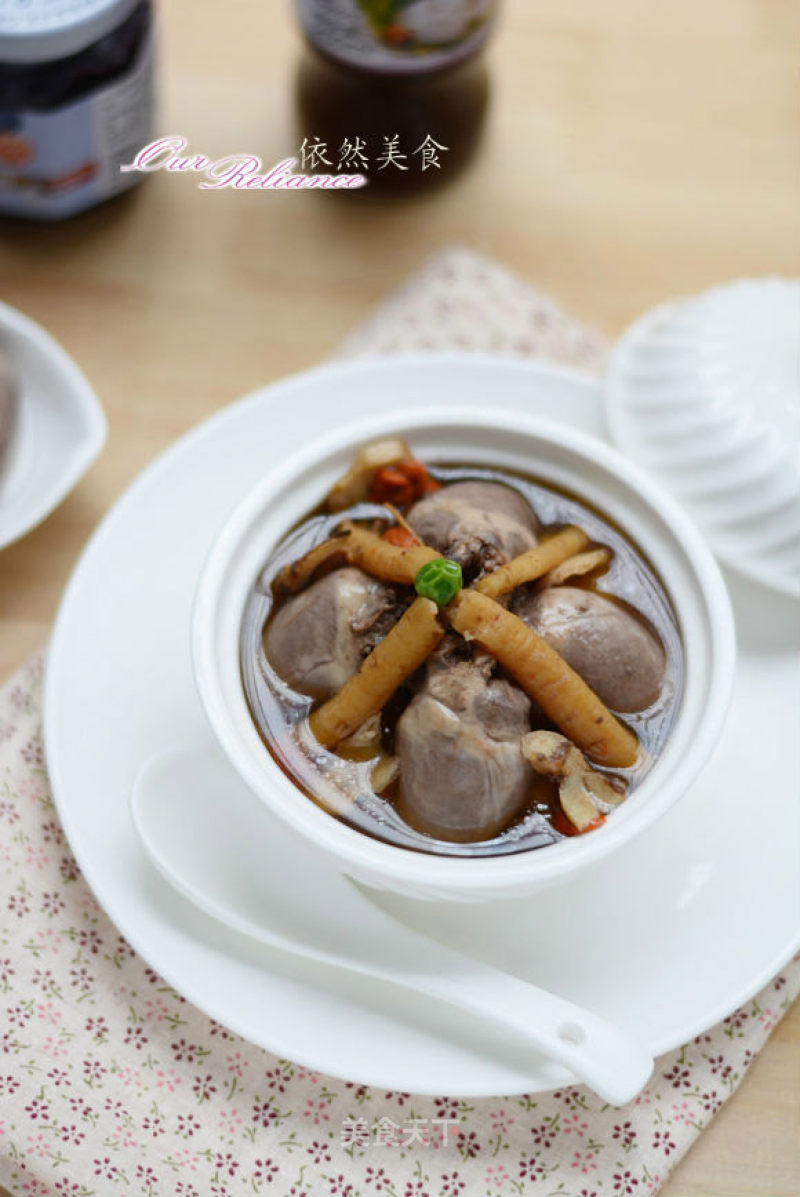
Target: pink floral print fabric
112, 1084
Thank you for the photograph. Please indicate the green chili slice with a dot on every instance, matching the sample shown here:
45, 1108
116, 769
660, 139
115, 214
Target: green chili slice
439, 580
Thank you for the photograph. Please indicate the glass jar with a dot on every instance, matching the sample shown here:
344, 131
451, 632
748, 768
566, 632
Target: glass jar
395, 89
76, 102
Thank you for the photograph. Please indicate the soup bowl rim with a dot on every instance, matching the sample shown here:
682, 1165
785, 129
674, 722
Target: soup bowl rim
694, 583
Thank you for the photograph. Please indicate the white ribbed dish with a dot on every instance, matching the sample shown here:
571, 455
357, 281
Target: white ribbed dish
704, 393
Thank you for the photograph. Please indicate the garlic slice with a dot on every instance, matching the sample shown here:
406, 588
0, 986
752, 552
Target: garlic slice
575, 566
583, 792
385, 771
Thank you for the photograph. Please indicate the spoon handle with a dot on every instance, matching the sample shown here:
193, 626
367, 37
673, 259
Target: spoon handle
220, 869
608, 1060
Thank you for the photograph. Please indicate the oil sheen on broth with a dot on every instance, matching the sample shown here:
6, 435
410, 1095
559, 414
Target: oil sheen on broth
342, 786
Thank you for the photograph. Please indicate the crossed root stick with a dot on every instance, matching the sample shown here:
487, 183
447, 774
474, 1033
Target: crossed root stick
566, 699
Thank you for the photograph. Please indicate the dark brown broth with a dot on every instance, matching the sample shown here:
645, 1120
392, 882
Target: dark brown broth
342, 787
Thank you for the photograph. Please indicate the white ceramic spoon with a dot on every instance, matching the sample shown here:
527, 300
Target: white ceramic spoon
207, 835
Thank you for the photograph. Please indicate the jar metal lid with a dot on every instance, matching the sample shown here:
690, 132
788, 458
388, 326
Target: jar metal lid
34, 31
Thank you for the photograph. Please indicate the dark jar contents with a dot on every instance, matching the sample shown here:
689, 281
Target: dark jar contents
395, 91
72, 110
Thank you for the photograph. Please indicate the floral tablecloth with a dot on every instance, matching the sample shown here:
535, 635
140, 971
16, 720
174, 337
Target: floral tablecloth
112, 1084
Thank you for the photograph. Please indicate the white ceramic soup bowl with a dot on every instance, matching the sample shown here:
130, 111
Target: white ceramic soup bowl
552, 453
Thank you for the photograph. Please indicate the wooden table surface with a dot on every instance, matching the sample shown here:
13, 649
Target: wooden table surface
635, 152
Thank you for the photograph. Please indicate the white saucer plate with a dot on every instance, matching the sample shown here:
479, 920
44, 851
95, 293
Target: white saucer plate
59, 427
666, 937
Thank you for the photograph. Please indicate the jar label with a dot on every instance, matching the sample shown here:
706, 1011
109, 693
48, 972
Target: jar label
61, 160
401, 36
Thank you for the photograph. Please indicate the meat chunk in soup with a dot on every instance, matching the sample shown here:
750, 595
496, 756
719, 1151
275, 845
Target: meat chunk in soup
478, 524
462, 773
611, 648
318, 638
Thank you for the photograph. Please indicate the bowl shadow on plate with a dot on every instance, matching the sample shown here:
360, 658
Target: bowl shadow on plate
766, 621
437, 1022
